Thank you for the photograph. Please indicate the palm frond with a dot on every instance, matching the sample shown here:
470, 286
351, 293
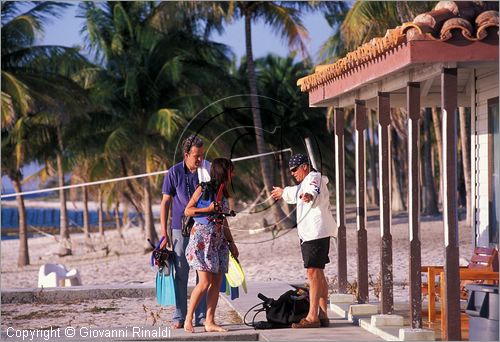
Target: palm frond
18, 92
166, 122
8, 113
122, 139
287, 22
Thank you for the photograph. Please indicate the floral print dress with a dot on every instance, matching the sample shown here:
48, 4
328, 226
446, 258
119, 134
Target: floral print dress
207, 249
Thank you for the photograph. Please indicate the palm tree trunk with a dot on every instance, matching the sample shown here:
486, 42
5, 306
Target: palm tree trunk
86, 225
86, 230
464, 138
284, 178
65, 243
23, 257
100, 213
125, 214
267, 172
148, 217
439, 143
397, 202
400, 152
429, 200
118, 223
373, 167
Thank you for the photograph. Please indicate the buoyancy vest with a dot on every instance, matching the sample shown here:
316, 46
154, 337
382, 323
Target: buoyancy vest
208, 194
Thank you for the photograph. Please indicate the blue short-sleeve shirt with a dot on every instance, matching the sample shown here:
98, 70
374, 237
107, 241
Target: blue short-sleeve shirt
180, 183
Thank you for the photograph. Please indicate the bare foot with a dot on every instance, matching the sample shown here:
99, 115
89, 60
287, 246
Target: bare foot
177, 325
188, 327
214, 328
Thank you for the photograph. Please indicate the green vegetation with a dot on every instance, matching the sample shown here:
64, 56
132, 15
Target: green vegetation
155, 77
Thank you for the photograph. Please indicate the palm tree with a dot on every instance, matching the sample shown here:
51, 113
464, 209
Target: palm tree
35, 77
284, 106
13, 154
465, 147
429, 198
285, 19
335, 14
439, 145
362, 22
155, 72
368, 19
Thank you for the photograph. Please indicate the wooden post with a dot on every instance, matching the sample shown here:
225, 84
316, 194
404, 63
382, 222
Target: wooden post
451, 268
340, 200
413, 107
384, 161
360, 127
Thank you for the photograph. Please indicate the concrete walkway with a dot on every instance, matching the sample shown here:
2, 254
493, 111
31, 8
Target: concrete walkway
340, 328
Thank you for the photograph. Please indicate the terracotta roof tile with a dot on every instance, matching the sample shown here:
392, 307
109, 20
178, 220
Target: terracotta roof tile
448, 21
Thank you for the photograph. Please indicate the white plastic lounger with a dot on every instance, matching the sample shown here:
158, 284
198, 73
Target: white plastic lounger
56, 275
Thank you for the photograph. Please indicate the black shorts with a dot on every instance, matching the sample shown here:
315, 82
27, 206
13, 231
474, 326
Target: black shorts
315, 253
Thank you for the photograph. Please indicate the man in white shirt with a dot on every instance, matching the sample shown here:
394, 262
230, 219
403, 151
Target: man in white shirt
315, 226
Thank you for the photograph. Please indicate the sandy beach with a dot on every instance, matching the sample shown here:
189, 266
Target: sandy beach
263, 257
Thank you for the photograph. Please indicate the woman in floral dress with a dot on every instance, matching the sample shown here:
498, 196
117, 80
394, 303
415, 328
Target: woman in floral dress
210, 241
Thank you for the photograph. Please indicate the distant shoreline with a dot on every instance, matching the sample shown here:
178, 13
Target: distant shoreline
71, 205
45, 215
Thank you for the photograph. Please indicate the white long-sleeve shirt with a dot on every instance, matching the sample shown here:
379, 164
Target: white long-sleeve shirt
314, 219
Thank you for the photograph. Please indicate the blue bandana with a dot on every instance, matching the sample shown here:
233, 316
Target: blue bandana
297, 160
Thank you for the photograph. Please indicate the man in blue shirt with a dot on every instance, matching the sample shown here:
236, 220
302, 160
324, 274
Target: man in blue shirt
178, 186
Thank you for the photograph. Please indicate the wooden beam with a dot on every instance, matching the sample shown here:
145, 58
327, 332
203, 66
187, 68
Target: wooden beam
399, 100
450, 220
426, 87
384, 157
340, 199
391, 83
360, 127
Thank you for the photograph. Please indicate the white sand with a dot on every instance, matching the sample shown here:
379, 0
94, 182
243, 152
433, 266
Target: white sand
274, 260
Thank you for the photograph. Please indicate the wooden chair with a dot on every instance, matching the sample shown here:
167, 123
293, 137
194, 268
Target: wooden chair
483, 259
466, 275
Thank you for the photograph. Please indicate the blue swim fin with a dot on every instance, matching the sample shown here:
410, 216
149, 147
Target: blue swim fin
158, 287
169, 287
165, 289
235, 293
223, 285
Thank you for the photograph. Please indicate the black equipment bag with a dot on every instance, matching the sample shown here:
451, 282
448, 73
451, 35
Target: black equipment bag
289, 308
187, 223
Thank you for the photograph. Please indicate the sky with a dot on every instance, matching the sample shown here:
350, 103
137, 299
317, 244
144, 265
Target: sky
65, 31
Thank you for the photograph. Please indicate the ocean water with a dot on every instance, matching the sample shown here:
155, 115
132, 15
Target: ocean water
50, 217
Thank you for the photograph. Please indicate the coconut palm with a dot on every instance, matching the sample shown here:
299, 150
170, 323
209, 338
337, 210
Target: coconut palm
35, 77
335, 13
368, 19
285, 19
153, 76
362, 22
13, 154
290, 107
465, 147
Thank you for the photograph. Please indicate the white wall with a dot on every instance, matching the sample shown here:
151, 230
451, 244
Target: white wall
486, 88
